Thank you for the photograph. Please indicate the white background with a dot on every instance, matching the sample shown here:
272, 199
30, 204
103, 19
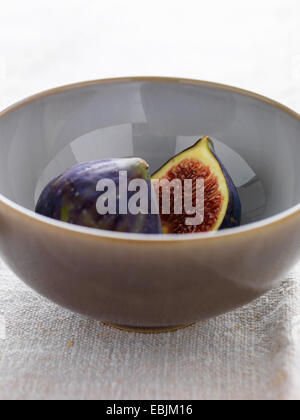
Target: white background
253, 44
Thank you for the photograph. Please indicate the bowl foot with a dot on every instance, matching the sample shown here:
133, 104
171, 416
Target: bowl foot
146, 330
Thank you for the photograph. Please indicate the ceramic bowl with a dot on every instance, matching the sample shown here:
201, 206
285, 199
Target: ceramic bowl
147, 281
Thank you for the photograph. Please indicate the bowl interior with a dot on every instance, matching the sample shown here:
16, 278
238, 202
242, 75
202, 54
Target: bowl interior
258, 142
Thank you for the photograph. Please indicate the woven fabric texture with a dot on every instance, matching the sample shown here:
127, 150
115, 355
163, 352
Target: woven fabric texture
51, 353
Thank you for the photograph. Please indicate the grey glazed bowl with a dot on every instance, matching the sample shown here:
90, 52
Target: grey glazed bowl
143, 281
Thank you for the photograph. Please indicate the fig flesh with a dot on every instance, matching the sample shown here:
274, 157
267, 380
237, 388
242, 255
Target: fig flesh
72, 197
222, 206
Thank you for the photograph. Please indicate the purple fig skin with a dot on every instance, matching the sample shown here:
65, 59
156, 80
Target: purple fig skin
72, 197
234, 209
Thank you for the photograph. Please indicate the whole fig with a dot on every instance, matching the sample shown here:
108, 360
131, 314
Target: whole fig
73, 197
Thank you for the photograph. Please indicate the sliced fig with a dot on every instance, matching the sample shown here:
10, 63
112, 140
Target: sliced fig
222, 206
72, 197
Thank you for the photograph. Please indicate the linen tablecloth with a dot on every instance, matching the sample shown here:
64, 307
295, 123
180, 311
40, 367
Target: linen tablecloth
51, 353
47, 352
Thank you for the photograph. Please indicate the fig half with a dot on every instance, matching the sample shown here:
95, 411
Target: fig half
73, 196
222, 205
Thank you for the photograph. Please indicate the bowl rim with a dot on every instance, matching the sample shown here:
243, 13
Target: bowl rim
269, 222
